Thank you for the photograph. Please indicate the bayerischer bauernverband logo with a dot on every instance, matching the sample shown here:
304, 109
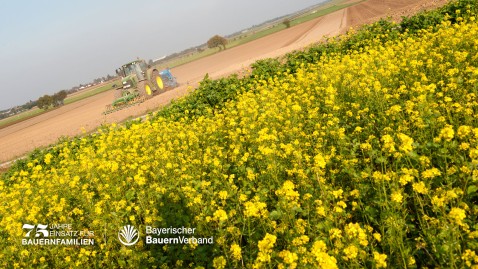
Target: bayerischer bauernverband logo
128, 235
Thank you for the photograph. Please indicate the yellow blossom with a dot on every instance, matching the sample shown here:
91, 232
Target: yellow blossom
457, 215
431, 173
397, 197
236, 251
219, 262
350, 252
447, 133
220, 215
380, 260
420, 187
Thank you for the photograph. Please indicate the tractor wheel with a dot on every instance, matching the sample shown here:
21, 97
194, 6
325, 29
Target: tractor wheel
145, 89
158, 82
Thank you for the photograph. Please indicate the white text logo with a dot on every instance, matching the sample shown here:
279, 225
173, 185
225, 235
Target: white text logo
128, 235
40, 230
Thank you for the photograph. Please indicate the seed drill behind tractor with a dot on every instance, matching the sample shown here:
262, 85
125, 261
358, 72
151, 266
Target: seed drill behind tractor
140, 82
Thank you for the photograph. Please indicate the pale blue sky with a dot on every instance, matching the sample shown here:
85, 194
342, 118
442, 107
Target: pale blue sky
47, 46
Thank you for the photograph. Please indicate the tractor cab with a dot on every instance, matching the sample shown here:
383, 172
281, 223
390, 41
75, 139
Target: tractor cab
136, 68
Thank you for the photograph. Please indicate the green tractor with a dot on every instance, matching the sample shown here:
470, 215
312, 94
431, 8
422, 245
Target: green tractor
140, 82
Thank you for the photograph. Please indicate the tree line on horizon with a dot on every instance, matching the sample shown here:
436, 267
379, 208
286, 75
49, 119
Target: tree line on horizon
55, 100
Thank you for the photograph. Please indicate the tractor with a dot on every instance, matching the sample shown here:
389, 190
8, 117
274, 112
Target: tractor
140, 82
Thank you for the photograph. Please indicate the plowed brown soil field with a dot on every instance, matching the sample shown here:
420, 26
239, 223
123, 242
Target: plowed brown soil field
86, 115
372, 10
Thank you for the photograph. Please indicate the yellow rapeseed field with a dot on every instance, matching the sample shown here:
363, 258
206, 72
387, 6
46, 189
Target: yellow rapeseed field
362, 160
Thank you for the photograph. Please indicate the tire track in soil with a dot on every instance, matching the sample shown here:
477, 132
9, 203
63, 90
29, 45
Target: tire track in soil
372, 10
304, 33
39, 122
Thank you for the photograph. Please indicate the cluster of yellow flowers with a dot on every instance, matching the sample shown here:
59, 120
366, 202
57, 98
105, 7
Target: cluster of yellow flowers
366, 159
